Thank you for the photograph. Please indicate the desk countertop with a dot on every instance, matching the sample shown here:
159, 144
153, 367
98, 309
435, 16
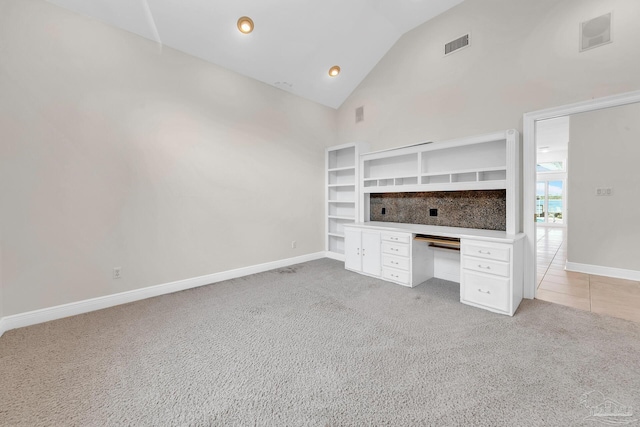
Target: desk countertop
434, 230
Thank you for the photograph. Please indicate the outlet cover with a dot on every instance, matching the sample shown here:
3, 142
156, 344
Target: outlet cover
604, 191
117, 272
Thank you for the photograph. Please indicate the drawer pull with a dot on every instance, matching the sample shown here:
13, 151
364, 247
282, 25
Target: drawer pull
486, 268
363, 252
393, 262
394, 238
394, 249
393, 275
484, 292
484, 253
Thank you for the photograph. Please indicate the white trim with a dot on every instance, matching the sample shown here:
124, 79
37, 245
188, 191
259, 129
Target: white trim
58, 312
334, 255
529, 170
600, 270
3, 325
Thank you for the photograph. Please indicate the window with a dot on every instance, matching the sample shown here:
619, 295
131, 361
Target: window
550, 167
550, 202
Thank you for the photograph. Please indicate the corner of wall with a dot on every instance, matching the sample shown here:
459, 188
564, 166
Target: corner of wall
2, 320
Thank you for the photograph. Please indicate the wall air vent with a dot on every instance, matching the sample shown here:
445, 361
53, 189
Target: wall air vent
457, 44
360, 114
595, 32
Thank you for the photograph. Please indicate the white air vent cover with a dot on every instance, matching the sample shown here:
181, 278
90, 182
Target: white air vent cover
359, 114
595, 32
457, 44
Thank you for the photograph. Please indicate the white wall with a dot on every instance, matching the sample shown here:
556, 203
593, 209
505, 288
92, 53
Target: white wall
604, 152
523, 57
1, 285
117, 152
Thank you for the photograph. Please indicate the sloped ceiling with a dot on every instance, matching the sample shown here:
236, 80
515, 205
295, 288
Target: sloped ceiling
294, 43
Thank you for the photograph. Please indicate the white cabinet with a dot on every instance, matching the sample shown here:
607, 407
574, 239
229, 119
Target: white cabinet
341, 195
488, 266
396, 257
387, 255
491, 276
485, 162
362, 251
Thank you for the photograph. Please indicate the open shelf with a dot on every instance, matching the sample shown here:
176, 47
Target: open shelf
347, 218
342, 176
385, 182
341, 185
342, 191
335, 226
477, 163
335, 244
341, 169
391, 167
341, 158
466, 158
342, 210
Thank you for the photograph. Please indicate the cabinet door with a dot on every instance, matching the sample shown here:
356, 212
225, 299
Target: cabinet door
352, 257
371, 252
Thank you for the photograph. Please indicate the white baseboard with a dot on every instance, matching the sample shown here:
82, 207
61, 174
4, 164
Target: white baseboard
52, 313
599, 270
334, 255
3, 326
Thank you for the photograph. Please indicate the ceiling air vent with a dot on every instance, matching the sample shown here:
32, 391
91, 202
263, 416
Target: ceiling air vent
457, 44
360, 114
595, 32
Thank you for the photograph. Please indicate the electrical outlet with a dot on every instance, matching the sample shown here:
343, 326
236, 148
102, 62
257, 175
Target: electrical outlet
117, 272
293, 244
433, 212
604, 191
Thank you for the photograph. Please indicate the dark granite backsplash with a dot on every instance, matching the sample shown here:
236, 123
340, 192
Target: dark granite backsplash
485, 209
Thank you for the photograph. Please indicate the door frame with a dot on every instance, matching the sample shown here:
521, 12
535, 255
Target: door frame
529, 169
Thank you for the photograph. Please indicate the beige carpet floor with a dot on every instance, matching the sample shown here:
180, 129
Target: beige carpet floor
316, 345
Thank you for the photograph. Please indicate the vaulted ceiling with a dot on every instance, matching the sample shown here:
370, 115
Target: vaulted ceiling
294, 43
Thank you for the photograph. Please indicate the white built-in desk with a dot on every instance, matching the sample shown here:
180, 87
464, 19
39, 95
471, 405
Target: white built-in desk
488, 264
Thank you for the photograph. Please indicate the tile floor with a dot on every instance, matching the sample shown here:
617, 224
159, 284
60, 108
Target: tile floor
599, 294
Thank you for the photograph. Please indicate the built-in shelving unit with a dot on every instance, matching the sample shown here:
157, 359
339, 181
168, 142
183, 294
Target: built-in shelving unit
342, 190
485, 162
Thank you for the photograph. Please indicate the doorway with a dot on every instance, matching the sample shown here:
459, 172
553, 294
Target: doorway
530, 178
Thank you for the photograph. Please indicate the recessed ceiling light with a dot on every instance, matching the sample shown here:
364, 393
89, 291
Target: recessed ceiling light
334, 71
245, 25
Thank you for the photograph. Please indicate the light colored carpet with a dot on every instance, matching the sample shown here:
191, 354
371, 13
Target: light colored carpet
316, 345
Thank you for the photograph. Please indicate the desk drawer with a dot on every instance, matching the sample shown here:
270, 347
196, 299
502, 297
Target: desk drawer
494, 251
489, 291
397, 249
395, 275
486, 266
395, 262
396, 237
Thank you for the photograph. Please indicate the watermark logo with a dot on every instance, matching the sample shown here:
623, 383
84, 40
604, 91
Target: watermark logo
606, 411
